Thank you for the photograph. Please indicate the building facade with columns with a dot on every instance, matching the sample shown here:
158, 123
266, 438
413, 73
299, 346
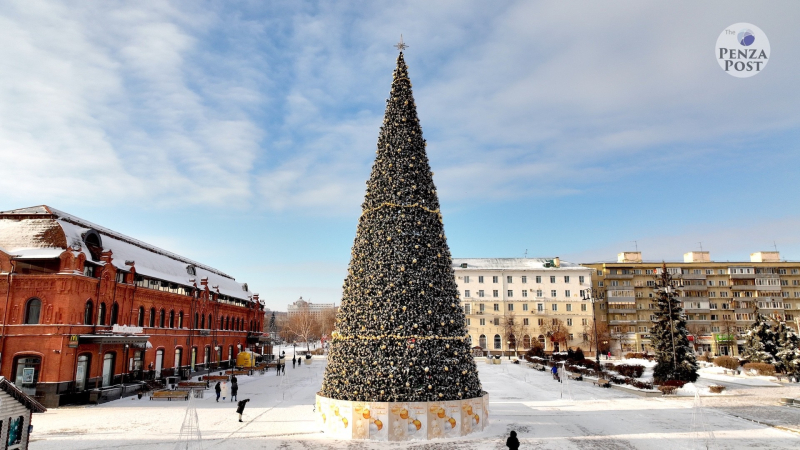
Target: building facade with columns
718, 297
87, 311
511, 302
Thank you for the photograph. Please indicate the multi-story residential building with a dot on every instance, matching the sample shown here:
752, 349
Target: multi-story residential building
87, 311
315, 309
510, 303
718, 297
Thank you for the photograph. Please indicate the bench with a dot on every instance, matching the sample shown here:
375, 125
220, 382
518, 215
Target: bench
538, 367
217, 378
169, 395
238, 372
602, 382
575, 376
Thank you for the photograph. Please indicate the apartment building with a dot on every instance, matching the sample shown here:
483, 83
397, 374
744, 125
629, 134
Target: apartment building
511, 302
718, 297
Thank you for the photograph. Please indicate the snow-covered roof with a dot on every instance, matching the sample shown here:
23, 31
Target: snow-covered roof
45, 232
513, 264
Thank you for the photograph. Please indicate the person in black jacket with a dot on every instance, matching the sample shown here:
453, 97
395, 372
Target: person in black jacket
240, 408
218, 389
234, 389
512, 442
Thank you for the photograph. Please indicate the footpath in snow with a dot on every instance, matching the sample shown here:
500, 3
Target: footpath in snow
545, 414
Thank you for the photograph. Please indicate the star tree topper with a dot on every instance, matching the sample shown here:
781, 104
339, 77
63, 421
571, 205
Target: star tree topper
400, 45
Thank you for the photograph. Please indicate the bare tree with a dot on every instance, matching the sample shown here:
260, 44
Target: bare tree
589, 335
303, 326
327, 321
556, 330
696, 330
619, 333
513, 330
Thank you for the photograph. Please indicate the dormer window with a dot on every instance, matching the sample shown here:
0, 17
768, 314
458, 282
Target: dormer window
244, 287
93, 243
191, 270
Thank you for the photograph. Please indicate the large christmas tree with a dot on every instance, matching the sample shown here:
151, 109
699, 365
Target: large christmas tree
760, 341
674, 357
400, 331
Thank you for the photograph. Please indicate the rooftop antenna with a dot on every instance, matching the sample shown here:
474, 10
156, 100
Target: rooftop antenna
775, 245
701, 246
636, 243
526, 252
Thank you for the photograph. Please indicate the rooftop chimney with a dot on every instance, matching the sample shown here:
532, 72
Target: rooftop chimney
629, 257
692, 257
765, 257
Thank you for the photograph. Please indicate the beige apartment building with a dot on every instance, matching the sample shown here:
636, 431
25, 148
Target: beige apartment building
718, 298
511, 302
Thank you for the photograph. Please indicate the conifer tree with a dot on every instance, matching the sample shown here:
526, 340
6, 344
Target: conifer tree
400, 331
759, 342
675, 359
787, 357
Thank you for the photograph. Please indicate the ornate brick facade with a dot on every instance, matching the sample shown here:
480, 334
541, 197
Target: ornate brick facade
59, 305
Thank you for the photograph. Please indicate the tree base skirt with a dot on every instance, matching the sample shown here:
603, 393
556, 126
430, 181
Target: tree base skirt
401, 421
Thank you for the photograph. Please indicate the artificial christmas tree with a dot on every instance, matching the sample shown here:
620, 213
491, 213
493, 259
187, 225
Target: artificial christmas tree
788, 356
400, 331
674, 357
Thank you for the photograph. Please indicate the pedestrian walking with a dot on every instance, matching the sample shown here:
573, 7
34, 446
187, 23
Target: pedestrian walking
278, 367
283, 369
240, 407
512, 442
294, 360
554, 371
225, 390
234, 389
218, 389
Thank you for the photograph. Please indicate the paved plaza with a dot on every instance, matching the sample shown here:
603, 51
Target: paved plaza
545, 414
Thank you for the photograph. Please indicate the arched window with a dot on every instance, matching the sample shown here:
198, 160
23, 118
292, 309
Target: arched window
172, 319
88, 313
210, 322
180, 319
82, 371
196, 321
108, 368
152, 317
101, 314
498, 342
482, 341
526, 341
161, 318
203, 322
114, 314
228, 323
542, 341
140, 322
221, 323
178, 355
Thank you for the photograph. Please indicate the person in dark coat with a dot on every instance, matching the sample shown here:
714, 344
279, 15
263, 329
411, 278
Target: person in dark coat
294, 360
240, 408
278, 367
283, 369
218, 389
512, 442
234, 388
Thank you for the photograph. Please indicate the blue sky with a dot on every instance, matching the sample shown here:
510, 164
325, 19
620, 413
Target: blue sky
241, 134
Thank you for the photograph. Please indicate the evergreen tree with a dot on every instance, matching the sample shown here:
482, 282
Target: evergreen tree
760, 344
401, 333
675, 359
788, 355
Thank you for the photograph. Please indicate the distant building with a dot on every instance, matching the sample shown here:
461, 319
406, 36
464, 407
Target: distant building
718, 298
84, 307
316, 309
537, 291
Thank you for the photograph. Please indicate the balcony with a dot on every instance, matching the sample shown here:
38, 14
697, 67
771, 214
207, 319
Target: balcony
747, 287
622, 322
705, 310
619, 276
743, 276
693, 287
690, 276
622, 310
763, 287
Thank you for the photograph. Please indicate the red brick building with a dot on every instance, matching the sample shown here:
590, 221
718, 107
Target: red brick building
87, 311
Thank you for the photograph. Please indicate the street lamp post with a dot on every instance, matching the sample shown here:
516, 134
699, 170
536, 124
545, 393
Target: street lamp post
508, 343
594, 296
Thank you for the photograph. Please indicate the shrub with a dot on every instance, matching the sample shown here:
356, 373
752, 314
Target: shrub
761, 368
630, 370
536, 350
716, 389
641, 384
635, 355
674, 383
702, 358
727, 362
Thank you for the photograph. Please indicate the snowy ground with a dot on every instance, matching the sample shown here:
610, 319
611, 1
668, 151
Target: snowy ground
545, 414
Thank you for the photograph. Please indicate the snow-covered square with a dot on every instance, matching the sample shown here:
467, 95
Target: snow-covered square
545, 414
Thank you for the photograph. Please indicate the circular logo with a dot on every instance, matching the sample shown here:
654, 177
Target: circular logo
746, 37
742, 50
